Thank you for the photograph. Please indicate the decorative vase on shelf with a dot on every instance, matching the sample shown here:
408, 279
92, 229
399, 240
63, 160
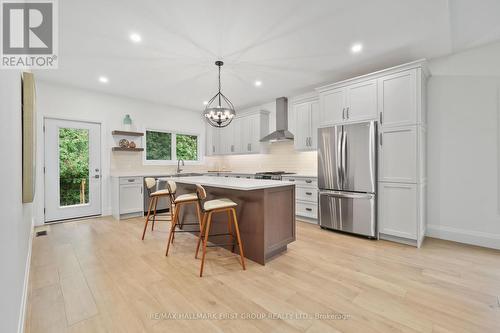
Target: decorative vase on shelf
127, 123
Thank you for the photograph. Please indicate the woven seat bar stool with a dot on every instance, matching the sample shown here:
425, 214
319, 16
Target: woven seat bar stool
153, 202
209, 208
179, 202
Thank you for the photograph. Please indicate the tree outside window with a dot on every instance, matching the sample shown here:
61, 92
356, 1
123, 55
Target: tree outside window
187, 147
160, 146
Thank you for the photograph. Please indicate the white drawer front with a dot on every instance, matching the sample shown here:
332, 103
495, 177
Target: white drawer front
306, 194
130, 180
302, 181
306, 209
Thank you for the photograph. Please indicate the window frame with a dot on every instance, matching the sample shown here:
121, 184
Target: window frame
173, 148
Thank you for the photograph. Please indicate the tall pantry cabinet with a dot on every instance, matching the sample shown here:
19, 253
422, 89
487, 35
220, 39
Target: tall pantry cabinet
396, 98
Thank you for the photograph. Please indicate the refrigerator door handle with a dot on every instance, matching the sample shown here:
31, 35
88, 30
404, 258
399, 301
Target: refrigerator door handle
339, 159
346, 195
344, 160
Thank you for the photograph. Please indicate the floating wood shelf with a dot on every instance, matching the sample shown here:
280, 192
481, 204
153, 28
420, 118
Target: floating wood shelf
127, 133
127, 149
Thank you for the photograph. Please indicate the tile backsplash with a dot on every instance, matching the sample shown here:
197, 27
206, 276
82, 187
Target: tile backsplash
281, 156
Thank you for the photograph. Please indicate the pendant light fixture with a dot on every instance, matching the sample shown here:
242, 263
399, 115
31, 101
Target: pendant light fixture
219, 111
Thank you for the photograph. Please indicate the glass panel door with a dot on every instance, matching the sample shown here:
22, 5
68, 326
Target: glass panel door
72, 169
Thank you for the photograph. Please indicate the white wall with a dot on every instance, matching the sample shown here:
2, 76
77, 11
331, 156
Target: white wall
71, 103
464, 147
15, 218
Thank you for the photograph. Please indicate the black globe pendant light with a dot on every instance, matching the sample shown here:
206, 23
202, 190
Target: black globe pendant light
219, 111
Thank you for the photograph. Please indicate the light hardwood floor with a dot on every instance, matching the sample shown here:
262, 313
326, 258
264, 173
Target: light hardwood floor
98, 276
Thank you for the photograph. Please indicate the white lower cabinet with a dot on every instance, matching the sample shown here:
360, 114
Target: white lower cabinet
127, 197
306, 197
400, 212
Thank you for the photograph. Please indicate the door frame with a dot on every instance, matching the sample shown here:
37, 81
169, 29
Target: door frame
104, 172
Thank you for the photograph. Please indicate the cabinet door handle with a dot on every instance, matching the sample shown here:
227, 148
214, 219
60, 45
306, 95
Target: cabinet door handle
380, 139
131, 180
141, 189
309, 209
213, 149
232, 148
291, 180
380, 118
309, 181
309, 193
347, 112
343, 113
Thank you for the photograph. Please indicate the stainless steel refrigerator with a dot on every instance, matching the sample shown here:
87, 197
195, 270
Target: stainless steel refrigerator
347, 163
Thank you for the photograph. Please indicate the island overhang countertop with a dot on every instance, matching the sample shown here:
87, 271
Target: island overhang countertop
241, 184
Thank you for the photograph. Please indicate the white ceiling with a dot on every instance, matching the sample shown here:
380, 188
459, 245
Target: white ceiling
289, 45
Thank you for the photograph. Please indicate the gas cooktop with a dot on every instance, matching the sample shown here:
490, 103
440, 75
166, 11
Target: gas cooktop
275, 173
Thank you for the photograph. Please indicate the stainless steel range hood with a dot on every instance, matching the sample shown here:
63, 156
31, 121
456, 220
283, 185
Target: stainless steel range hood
281, 133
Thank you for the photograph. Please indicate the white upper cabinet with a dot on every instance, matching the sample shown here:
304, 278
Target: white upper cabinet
398, 99
332, 107
305, 124
349, 103
314, 118
361, 101
242, 136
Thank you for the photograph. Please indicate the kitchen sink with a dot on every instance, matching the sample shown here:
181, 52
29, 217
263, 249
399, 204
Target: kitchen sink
187, 174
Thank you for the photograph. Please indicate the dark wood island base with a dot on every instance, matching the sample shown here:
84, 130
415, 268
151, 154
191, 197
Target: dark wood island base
266, 218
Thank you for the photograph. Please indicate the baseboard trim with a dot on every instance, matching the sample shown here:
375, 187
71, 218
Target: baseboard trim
464, 236
24, 300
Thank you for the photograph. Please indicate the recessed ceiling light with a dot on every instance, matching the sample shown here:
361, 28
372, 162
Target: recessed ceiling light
103, 79
205, 102
258, 83
356, 48
135, 37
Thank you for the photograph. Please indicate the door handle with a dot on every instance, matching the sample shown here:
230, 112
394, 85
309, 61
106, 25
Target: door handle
309, 209
346, 195
344, 159
309, 181
380, 139
97, 176
309, 193
380, 118
343, 113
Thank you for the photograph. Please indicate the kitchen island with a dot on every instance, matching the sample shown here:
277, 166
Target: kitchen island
265, 211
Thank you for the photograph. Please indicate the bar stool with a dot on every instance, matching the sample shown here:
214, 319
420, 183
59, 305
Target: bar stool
178, 202
209, 208
153, 202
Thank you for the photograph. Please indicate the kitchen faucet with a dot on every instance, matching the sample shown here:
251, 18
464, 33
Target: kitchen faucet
178, 165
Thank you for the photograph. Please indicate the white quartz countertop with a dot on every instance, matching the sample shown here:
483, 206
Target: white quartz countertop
242, 184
